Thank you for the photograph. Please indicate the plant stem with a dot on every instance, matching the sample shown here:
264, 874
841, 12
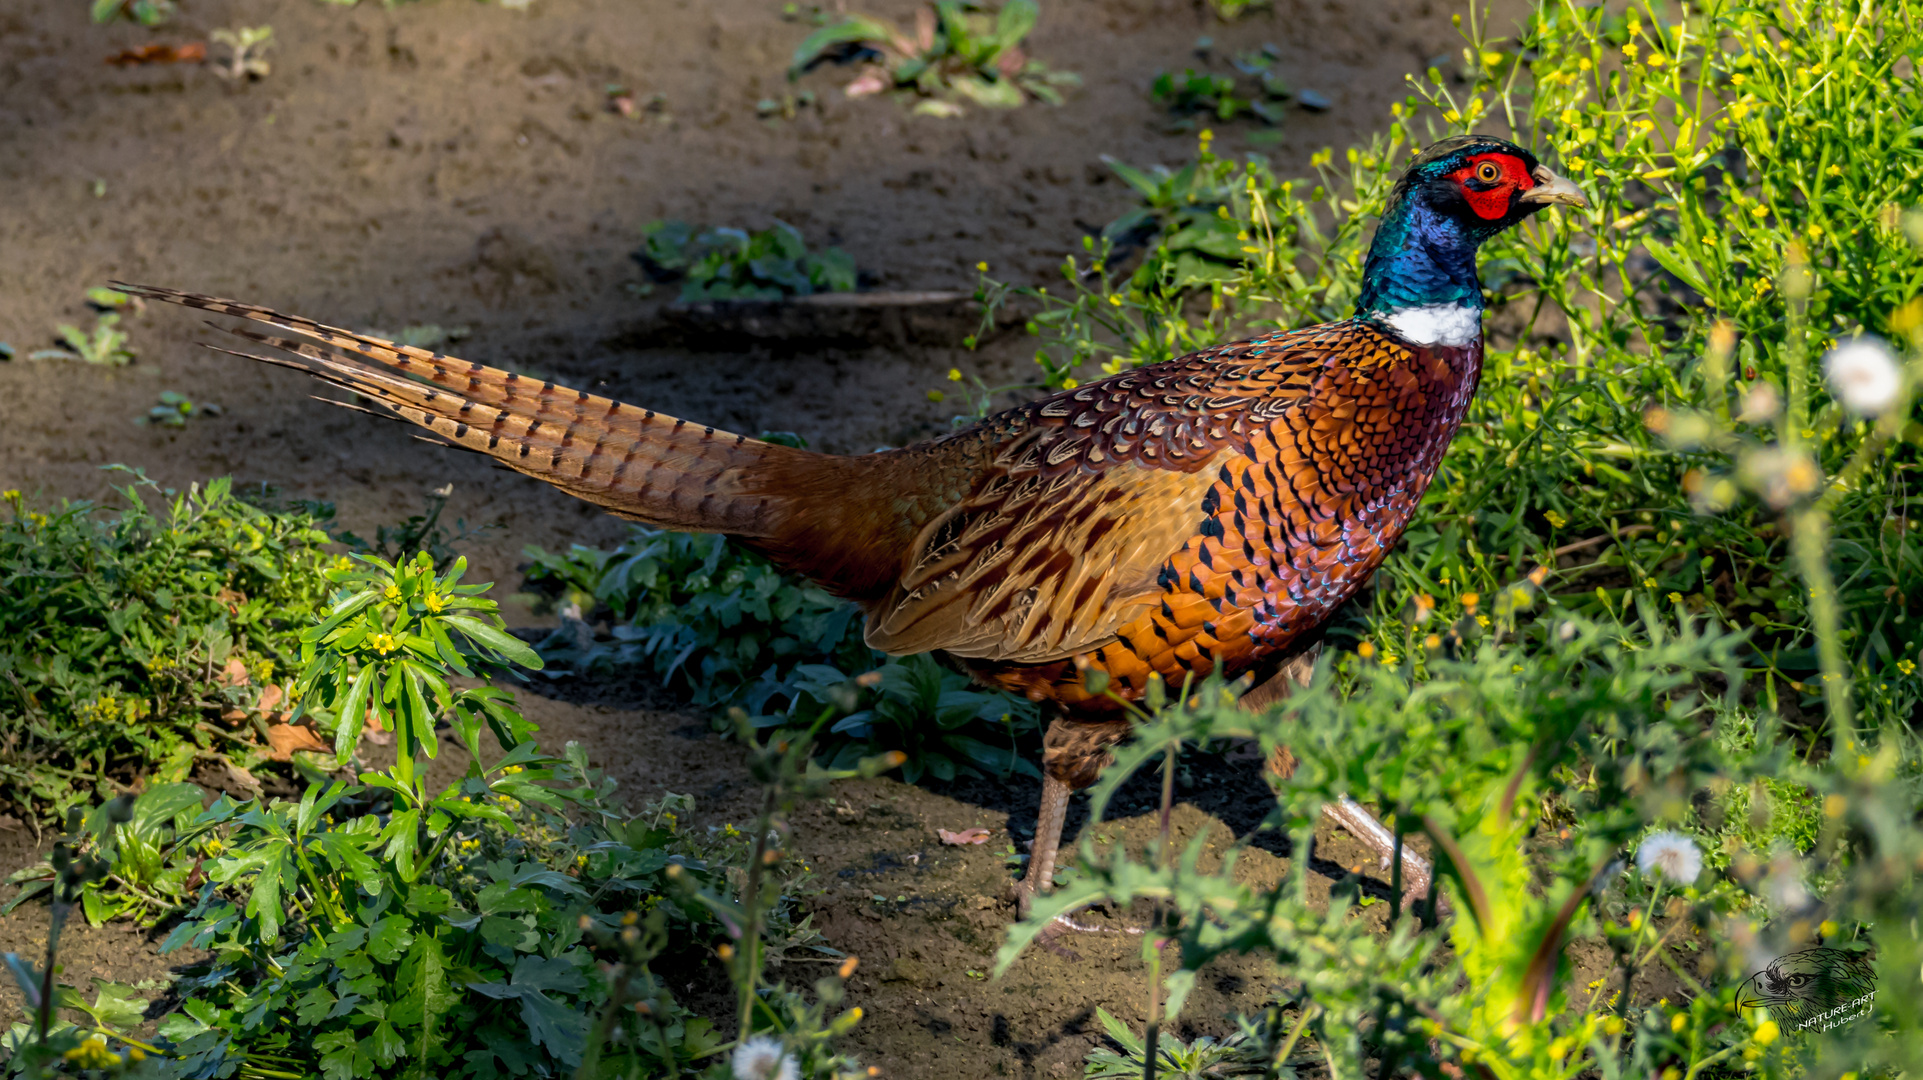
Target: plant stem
58, 916
749, 957
1156, 942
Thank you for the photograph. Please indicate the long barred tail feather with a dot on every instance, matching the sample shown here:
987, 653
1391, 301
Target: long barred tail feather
634, 462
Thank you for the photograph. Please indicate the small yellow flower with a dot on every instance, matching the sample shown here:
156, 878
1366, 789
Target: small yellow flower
392, 592
1675, 598
93, 1054
1482, 620
1759, 211
1678, 1022
1834, 170
1906, 666
1738, 79
954, 374
1555, 520
1763, 286
1583, 64
1630, 50
1827, 929
433, 603
1649, 583
1614, 1025
982, 266
1365, 650
1766, 1033
1657, 59
382, 643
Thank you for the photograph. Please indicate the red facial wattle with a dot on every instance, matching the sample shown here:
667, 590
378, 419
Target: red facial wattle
1491, 197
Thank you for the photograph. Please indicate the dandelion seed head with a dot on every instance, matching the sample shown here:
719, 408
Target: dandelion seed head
1672, 855
762, 1058
1864, 376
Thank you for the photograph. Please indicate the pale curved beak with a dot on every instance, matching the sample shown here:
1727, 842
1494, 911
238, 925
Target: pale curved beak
1553, 190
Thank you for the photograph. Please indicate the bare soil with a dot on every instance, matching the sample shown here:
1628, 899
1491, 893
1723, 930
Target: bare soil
456, 163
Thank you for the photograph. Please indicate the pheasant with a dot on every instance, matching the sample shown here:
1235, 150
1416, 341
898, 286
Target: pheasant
1205, 514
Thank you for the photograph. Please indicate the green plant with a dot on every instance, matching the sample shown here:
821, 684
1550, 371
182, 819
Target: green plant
245, 46
174, 408
144, 12
422, 532
145, 644
107, 345
1220, 96
937, 717
1230, 10
959, 50
722, 624
731, 264
1202, 1059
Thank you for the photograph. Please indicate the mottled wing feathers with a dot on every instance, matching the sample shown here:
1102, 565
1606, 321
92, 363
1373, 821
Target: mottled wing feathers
1093, 496
634, 462
1034, 568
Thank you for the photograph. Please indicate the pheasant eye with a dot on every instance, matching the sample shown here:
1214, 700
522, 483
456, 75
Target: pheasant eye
1488, 173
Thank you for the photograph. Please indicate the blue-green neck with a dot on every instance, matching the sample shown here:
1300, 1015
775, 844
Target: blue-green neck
1420, 258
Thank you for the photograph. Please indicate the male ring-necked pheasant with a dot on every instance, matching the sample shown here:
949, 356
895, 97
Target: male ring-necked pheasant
1202, 514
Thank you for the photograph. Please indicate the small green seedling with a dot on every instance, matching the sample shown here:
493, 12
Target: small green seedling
959, 52
733, 264
1236, 1055
1222, 96
174, 409
245, 44
144, 12
107, 345
785, 107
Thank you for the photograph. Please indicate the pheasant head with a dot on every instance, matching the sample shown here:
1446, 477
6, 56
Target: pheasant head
1420, 281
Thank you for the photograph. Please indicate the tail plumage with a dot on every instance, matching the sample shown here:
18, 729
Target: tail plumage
634, 462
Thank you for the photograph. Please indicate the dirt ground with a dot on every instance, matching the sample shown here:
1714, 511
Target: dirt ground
455, 163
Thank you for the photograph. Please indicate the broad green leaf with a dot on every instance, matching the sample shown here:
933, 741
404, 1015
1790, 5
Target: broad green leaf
858, 28
511, 647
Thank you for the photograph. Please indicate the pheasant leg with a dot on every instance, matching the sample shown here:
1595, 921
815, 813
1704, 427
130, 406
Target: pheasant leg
1048, 840
1350, 815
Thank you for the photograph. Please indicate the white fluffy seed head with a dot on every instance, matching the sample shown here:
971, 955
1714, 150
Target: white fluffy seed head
762, 1058
1672, 855
1864, 376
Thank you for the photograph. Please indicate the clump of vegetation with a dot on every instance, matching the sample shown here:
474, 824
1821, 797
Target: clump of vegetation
958, 52
1723, 564
147, 643
733, 264
245, 46
106, 345
174, 408
508, 923
723, 625
1222, 97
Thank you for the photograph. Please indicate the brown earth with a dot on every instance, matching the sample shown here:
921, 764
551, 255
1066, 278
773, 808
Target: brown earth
455, 163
